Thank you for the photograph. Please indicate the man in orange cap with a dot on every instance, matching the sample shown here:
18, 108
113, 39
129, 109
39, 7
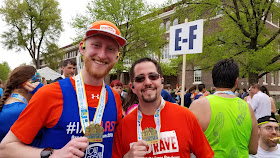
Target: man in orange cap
66, 111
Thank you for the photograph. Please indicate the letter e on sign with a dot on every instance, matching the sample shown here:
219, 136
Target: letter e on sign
186, 38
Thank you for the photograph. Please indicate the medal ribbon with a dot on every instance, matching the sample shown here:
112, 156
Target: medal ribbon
156, 117
83, 105
224, 92
19, 98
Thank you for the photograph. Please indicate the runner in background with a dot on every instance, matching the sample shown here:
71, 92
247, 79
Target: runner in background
228, 121
22, 83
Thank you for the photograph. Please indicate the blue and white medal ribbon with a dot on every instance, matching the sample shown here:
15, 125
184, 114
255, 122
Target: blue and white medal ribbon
83, 105
19, 98
224, 92
156, 117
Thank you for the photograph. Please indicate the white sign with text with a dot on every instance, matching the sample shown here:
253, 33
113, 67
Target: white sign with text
186, 38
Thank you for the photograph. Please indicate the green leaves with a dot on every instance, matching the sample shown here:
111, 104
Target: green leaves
241, 30
32, 24
5, 70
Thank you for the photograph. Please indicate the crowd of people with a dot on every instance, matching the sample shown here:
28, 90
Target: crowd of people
81, 116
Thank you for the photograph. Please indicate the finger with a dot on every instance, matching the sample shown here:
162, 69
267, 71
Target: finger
81, 143
142, 142
140, 154
76, 152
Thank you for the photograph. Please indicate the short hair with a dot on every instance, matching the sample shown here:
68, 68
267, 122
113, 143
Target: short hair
116, 83
69, 61
131, 71
201, 87
225, 73
192, 88
256, 85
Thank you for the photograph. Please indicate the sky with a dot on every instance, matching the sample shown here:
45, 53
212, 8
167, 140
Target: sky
69, 8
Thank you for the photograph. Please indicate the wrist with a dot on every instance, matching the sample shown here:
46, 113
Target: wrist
46, 153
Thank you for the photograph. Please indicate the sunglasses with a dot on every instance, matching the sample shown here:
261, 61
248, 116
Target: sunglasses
141, 78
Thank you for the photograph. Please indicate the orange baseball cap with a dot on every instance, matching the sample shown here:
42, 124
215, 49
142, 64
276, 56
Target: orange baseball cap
105, 28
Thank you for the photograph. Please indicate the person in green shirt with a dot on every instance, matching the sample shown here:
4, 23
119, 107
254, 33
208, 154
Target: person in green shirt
228, 122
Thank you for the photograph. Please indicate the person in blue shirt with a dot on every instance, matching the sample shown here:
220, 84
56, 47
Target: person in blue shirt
201, 89
1, 88
18, 91
187, 96
166, 96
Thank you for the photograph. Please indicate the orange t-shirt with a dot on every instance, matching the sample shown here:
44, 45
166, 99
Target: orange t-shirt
180, 133
45, 108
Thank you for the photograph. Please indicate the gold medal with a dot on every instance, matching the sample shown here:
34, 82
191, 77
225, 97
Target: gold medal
94, 133
150, 135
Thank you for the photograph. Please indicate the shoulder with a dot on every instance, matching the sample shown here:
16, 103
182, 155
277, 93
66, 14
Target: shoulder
48, 91
172, 108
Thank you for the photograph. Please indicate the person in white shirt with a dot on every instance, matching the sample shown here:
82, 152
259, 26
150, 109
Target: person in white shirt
269, 138
260, 103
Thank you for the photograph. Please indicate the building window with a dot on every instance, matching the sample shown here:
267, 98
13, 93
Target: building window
167, 25
197, 75
161, 26
168, 80
175, 22
278, 78
272, 79
264, 80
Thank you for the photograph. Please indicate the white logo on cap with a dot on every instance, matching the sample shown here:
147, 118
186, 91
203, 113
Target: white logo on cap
108, 29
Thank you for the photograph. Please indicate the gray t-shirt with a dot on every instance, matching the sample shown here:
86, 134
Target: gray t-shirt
266, 154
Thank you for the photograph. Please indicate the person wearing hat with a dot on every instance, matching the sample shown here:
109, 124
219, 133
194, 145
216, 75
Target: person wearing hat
268, 138
77, 115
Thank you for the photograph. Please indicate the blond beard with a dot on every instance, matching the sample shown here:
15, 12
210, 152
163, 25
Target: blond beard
97, 73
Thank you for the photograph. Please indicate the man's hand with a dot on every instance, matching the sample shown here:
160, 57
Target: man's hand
138, 150
73, 149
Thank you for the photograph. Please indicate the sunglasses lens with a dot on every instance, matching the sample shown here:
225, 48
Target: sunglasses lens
153, 76
139, 78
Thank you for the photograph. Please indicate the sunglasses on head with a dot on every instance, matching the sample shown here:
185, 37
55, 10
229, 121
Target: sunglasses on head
151, 76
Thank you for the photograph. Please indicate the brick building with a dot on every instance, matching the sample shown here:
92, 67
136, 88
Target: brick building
194, 75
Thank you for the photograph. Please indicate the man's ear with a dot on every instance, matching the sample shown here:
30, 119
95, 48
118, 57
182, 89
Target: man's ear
82, 47
131, 86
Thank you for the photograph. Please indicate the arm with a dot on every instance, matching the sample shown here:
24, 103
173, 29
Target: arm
273, 107
200, 146
201, 109
253, 143
11, 146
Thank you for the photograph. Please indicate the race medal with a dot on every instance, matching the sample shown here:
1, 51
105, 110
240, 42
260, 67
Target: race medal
94, 133
150, 135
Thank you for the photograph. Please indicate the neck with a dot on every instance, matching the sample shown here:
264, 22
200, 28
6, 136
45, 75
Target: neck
224, 89
23, 93
149, 108
90, 80
267, 148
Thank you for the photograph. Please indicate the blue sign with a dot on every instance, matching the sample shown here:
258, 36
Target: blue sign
186, 38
